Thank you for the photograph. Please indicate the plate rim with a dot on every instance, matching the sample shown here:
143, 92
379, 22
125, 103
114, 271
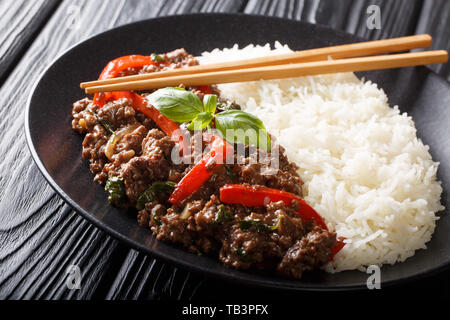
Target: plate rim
235, 278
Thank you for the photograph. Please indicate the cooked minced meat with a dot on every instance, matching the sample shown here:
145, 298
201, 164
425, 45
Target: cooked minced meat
271, 236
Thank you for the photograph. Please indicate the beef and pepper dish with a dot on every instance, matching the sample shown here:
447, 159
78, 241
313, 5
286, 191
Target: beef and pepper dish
167, 154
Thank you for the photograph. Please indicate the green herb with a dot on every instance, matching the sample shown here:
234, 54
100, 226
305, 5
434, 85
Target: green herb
242, 255
157, 188
275, 227
156, 57
105, 123
145, 197
210, 103
230, 173
246, 128
257, 225
163, 186
116, 189
201, 121
235, 126
223, 215
177, 105
156, 219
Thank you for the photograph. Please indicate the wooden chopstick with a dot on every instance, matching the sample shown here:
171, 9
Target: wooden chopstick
335, 52
283, 71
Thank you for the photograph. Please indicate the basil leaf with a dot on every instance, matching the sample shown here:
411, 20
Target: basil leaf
201, 121
105, 123
156, 219
153, 191
252, 130
257, 225
177, 105
223, 215
210, 103
145, 197
163, 186
115, 188
156, 57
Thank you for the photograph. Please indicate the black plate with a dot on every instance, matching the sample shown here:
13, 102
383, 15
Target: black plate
57, 149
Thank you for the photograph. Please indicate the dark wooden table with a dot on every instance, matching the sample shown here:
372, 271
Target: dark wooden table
40, 235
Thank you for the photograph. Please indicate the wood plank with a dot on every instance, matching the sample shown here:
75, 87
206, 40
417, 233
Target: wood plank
40, 235
346, 15
142, 277
19, 22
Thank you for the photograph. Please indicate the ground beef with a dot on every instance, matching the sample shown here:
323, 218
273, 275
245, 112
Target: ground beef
150, 216
239, 248
139, 173
291, 225
254, 174
132, 141
157, 145
152, 165
145, 121
84, 120
118, 113
94, 149
174, 229
283, 176
270, 237
244, 249
129, 146
180, 58
309, 253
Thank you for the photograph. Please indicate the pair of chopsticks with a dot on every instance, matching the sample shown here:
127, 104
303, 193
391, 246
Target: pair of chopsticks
361, 56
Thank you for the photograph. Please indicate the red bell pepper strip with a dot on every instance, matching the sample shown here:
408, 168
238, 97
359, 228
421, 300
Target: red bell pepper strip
339, 245
140, 104
202, 171
255, 196
116, 66
204, 89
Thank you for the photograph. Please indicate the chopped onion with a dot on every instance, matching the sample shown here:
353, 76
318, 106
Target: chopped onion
115, 138
186, 213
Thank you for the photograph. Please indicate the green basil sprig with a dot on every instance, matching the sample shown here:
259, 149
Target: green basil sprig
176, 104
156, 57
152, 192
201, 121
236, 126
223, 215
247, 128
116, 189
210, 103
257, 225
105, 123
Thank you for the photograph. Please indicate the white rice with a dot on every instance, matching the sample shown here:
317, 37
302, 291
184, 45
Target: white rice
364, 169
